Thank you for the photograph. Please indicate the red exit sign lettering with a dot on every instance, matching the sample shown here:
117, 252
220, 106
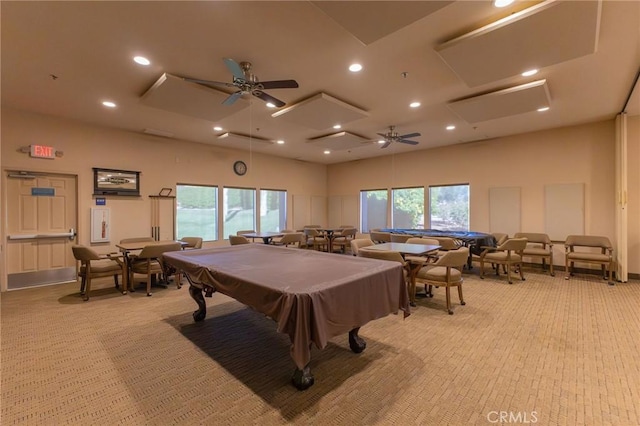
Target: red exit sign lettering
42, 151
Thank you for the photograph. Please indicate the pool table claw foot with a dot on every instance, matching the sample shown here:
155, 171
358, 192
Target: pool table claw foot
196, 294
302, 379
356, 343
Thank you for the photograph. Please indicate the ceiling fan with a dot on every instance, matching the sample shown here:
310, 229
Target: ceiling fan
247, 83
392, 136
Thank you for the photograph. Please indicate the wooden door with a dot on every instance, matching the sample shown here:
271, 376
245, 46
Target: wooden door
41, 223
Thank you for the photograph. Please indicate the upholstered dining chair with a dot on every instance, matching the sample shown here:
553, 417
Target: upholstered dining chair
316, 239
508, 254
358, 243
235, 240
445, 272
149, 262
343, 239
94, 265
389, 255
192, 242
589, 249
538, 245
290, 239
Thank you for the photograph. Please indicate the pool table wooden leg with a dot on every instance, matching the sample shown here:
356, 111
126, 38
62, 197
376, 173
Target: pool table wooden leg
356, 343
303, 379
196, 294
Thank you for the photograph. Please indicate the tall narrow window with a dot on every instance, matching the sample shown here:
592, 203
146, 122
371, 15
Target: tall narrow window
239, 210
408, 208
197, 211
373, 209
273, 210
449, 207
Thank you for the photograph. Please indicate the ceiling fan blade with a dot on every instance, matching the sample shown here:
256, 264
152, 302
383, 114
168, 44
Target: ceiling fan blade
207, 82
279, 84
268, 98
410, 135
232, 98
386, 144
382, 135
407, 141
234, 67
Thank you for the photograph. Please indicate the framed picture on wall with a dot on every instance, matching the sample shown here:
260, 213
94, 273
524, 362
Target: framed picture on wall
100, 225
116, 182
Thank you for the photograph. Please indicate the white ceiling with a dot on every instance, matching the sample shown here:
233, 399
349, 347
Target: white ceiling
589, 54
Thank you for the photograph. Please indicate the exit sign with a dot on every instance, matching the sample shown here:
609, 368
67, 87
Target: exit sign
42, 151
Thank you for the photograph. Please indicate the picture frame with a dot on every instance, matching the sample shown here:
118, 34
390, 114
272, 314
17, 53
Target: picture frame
116, 182
100, 224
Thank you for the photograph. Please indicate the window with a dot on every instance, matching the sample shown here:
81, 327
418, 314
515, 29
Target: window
239, 210
373, 209
273, 210
449, 207
408, 208
196, 214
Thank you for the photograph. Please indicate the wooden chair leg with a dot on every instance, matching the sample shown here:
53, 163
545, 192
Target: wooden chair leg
448, 292
509, 274
521, 272
87, 289
149, 284
462, 302
83, 284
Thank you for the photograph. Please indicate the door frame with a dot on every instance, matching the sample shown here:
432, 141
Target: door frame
3, 211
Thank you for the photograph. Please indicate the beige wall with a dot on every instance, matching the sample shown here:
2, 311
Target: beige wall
580, 154
163, 163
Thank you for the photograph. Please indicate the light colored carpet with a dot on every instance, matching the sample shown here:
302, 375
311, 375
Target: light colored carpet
554, 351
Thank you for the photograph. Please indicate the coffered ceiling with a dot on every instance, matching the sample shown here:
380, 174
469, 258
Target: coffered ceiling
461, 60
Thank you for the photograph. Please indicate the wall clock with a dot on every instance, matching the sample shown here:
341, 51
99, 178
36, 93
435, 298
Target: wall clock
240, 168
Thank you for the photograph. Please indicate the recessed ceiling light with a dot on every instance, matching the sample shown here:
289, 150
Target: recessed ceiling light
502, 3
529, 73
414, 104
327, 151
109, 104
280, 142
141, 60
355, 67
451, 127
270, 105
217, 128
543, 109
337, 126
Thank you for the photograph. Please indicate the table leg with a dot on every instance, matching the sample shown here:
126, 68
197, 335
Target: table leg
302, 379
196, 294
356, 343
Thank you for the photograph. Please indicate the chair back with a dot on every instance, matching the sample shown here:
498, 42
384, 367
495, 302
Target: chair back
448, 243
501, 237
312, 232
418, 240
348, 232
399, 238
534, 237
235, 240
359, 243
136, 240
192, 242
514, 244
154, 251
454, 258
588, 241
291, 238
393, 256
84, 254
380, 237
